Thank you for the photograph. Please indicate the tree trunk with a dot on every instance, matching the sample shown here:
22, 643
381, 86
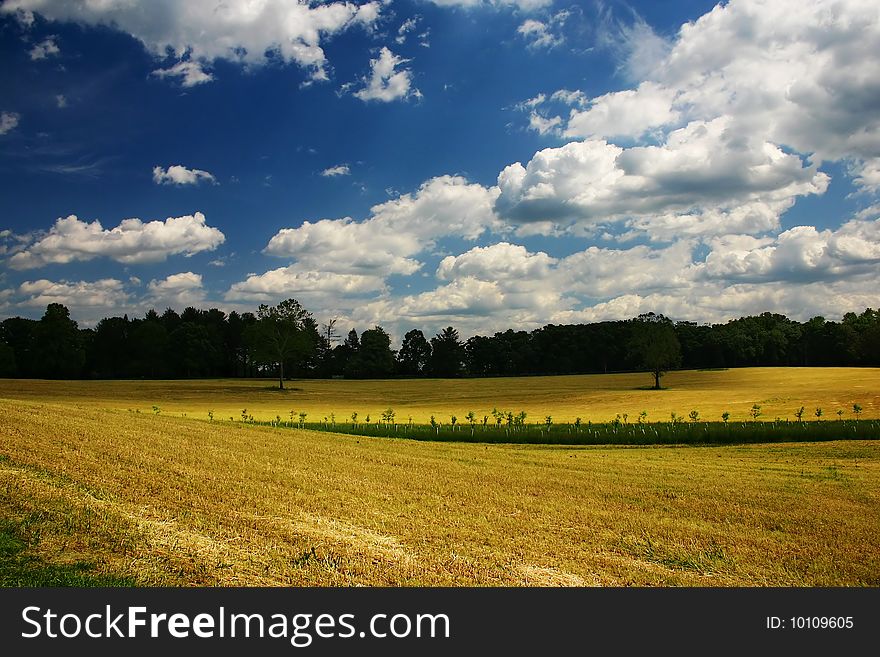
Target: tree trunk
281, 374
657, 380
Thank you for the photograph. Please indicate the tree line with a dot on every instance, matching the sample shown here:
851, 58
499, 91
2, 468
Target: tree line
286, 341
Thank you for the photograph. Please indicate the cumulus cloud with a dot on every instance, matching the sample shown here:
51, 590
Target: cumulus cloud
398, 230
347, 246
250, 33
177, 290
717, 302
385, 82
308, 285
44, 49
726, 127
599, 284
701, 170
106, 293
338, 170
600, 273
800, 75
624, 113
802, 272
8, 121
131, 242
505, 285
802, 254
867, 175
502, 261
177, 174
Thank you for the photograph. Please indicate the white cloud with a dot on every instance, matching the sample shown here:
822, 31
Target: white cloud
869, 212
717, 302
624, 113
385, 83
251, 33
598, 273
540, 119
543, 125
107, 293
45, 49
396, 231
189, 72
641, 48
308, 285
131, 242
802, 254
867, 175
703, 171
8, 121
347, 246
61, 101
538, 34
338, 170
524, 5
573, 97
180, 175
531, 103
743, 106
802, 75
544, 34
504, 286
498, 262
180, 290
407, 26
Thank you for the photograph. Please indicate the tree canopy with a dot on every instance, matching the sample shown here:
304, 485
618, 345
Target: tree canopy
211, 343
281, 334
654, 345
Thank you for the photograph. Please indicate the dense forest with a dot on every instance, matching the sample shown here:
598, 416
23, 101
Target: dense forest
212, 343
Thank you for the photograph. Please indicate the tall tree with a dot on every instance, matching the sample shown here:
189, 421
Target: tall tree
149, 344
7, 361
447, 354
654, 345
415, 353
376, 360
193, 350
110, 349
18, 333
280, 335
59, 352
345, 356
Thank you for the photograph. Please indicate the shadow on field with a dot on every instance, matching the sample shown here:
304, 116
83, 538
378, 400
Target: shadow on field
19, 569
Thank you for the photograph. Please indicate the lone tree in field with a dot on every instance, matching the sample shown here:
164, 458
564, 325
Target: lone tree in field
280, 334
654, 345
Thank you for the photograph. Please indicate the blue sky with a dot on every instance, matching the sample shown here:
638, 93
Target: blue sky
481, 163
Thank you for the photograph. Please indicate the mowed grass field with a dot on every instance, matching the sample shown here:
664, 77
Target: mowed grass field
171, 500
597, 398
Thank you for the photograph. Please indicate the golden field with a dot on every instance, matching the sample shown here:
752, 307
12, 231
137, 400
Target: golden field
596, 398
169, 500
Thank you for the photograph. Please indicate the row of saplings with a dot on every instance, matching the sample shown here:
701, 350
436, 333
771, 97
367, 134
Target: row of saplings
506, 426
